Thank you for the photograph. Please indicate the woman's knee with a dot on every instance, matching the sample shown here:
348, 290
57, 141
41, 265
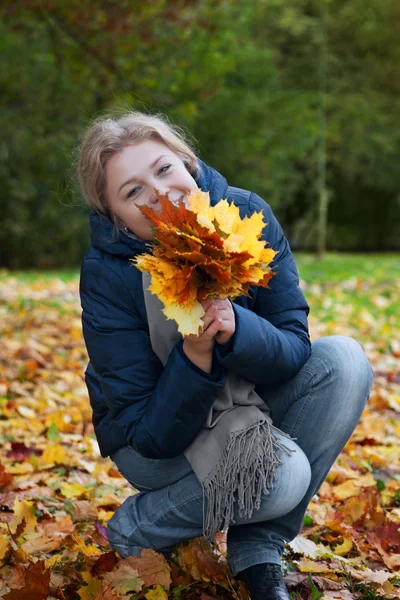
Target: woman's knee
344, 362
295, 475
292, 482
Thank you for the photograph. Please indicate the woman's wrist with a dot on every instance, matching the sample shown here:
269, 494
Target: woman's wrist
202, 360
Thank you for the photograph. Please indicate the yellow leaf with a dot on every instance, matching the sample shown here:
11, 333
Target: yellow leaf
306, 565
66, 556
21, 469
4, 548
189, 320
351, 487
354, 509
233, 243
23, 509
76, 334
93, 586
72, 490
343, 549
60, 419
345, 490
157, 594
54, 453
203, 252
53, 561
105, 515
199, 203
228, 217
86, 549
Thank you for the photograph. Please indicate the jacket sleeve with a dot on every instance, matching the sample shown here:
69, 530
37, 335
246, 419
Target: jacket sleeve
271, 342
160, 408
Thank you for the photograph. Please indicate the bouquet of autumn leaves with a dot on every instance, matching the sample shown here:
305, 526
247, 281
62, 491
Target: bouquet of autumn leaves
203, 252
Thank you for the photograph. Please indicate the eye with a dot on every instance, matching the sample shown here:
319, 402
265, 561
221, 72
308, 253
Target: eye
133, 192
163, 169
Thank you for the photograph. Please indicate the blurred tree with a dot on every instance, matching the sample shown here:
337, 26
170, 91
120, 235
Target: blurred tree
82, 59
293, 107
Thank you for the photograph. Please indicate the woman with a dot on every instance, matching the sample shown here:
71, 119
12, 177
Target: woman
147, 414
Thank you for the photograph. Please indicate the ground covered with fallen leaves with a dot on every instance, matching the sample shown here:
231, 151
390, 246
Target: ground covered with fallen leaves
57, 493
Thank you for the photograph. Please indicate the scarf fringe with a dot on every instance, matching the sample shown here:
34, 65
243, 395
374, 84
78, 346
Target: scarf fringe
245, 473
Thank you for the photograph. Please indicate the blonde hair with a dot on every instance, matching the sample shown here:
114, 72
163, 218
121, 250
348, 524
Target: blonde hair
108, 135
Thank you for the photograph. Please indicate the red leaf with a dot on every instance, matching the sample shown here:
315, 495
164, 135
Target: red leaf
104, 564
20, 452
5, 478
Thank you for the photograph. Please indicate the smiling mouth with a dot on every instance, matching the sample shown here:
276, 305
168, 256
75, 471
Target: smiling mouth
183, 199
179, 201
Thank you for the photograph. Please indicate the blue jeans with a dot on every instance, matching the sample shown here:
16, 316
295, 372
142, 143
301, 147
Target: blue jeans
319, 407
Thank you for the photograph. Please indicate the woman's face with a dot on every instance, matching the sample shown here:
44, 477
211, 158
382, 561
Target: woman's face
135, 174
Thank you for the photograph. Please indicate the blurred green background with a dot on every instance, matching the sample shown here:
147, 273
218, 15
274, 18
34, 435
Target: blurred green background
297, 100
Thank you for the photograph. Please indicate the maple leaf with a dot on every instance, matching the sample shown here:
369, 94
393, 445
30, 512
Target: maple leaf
389, 537
5, 478
351, 487
157, 594
344, 548
59, 528
4, 548
75, 542
89, 591
53, 454
36, 585
81, 510
14, 577
40, 544
107, 593
20, 452
72, 490
31, 401
105, 563
124, 579
197, 557
152, 568
354, 509
203, 252
23, 511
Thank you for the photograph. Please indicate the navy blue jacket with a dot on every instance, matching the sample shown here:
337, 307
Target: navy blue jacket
156, 410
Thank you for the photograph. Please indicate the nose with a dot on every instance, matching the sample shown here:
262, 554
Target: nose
159, 191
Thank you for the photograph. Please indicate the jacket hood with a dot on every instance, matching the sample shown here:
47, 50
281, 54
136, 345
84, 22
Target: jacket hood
106, 237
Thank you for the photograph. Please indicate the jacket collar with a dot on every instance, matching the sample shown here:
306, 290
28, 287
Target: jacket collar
106, 237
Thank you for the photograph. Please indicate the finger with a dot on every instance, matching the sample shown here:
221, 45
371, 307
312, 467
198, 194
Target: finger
206, 303
222, 302
209, 316
212, 329
225, 316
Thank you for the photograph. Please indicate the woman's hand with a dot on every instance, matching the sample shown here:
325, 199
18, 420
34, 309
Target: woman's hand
219, 326
199, 348
226, 314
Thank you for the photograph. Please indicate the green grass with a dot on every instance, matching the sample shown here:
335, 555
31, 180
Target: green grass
33, 275
334, 267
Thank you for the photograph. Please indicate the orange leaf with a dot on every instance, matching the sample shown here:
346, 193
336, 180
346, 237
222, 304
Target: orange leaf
37, 584
198, 558
152, 568
5, 478
193, 261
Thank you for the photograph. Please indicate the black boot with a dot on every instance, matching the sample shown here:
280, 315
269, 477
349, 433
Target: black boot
265, 582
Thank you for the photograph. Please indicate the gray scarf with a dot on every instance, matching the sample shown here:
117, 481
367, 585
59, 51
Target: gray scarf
236, 452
